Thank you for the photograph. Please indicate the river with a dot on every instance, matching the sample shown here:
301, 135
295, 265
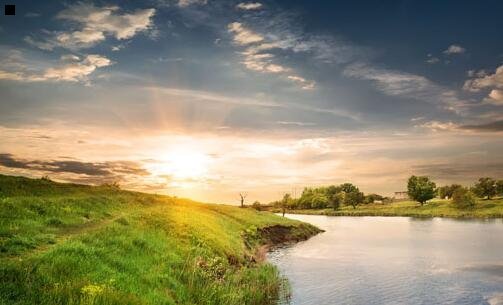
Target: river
395, 260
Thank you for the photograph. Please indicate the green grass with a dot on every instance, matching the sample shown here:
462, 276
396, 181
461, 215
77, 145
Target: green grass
74, 244
434, 208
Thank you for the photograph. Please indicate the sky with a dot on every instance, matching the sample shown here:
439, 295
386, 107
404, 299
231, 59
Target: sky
206, 99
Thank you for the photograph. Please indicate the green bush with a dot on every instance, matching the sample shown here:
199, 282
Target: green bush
462, 198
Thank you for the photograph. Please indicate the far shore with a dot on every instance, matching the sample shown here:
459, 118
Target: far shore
492, 208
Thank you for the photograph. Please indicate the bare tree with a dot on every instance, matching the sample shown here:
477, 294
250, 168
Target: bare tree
243, 196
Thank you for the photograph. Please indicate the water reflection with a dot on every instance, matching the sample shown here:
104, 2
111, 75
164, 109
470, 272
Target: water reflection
395, 260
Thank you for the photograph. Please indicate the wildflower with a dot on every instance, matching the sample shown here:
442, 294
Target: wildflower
92, 290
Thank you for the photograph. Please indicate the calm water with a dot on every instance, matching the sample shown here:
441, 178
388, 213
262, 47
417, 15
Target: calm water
396, 260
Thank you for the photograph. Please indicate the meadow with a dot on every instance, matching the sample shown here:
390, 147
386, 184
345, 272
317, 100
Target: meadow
77, 244
434, 208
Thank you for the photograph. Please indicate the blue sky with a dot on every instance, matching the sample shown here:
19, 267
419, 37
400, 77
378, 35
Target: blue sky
326, 92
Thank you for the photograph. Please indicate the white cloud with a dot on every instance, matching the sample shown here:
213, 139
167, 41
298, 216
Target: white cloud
292, 123
77, 70
278, 35
273, 68
473, 73
94, 24
69, 58
406, 85
256, 56
306, 84
432, 59
439, 126
454, 49
70, 68
243, 36
249, 6
185, 3
495, 97
482, 80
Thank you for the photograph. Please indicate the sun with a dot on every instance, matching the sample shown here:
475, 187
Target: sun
181, 164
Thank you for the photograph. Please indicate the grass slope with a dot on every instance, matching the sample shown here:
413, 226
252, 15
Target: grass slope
75, 244
434, 208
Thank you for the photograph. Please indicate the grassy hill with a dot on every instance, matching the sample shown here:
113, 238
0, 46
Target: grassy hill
77, 244
434, 208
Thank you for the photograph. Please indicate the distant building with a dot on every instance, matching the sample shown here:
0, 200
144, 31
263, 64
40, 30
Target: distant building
401, 195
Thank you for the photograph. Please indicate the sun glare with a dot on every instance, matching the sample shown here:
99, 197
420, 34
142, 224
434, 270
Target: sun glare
181, 164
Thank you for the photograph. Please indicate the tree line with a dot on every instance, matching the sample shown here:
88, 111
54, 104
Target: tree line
332, 196
419, 188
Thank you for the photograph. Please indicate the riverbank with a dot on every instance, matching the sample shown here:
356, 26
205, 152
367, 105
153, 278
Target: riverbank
434, 208
77, 244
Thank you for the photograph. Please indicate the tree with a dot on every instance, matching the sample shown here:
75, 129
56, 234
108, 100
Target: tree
499, 187
348, 188
286, 202
462, 198
352, 195
256, 205
421, 189
447, 191
305, 199
319, 201
353, 198
486, 187
336, 200
243, 196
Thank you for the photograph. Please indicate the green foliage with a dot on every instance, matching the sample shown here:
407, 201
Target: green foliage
256, 205
319, 200
348, 188
499, 187
353, 198
306, 199
463, 198
446, 191
336, 200
72, 244
287, 201
485, 187
421, 188
328, 197
435, 208
370, 198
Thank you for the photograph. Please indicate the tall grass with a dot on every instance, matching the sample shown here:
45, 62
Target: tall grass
71, 244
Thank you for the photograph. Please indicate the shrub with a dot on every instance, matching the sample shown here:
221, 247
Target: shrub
462, 198
372, 197
256, 205
446, 191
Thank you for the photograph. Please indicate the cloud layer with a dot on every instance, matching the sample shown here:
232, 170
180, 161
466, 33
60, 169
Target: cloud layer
104, 169
407, 85
247, 6
70, 68
482, 80
258, 54
93, 24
